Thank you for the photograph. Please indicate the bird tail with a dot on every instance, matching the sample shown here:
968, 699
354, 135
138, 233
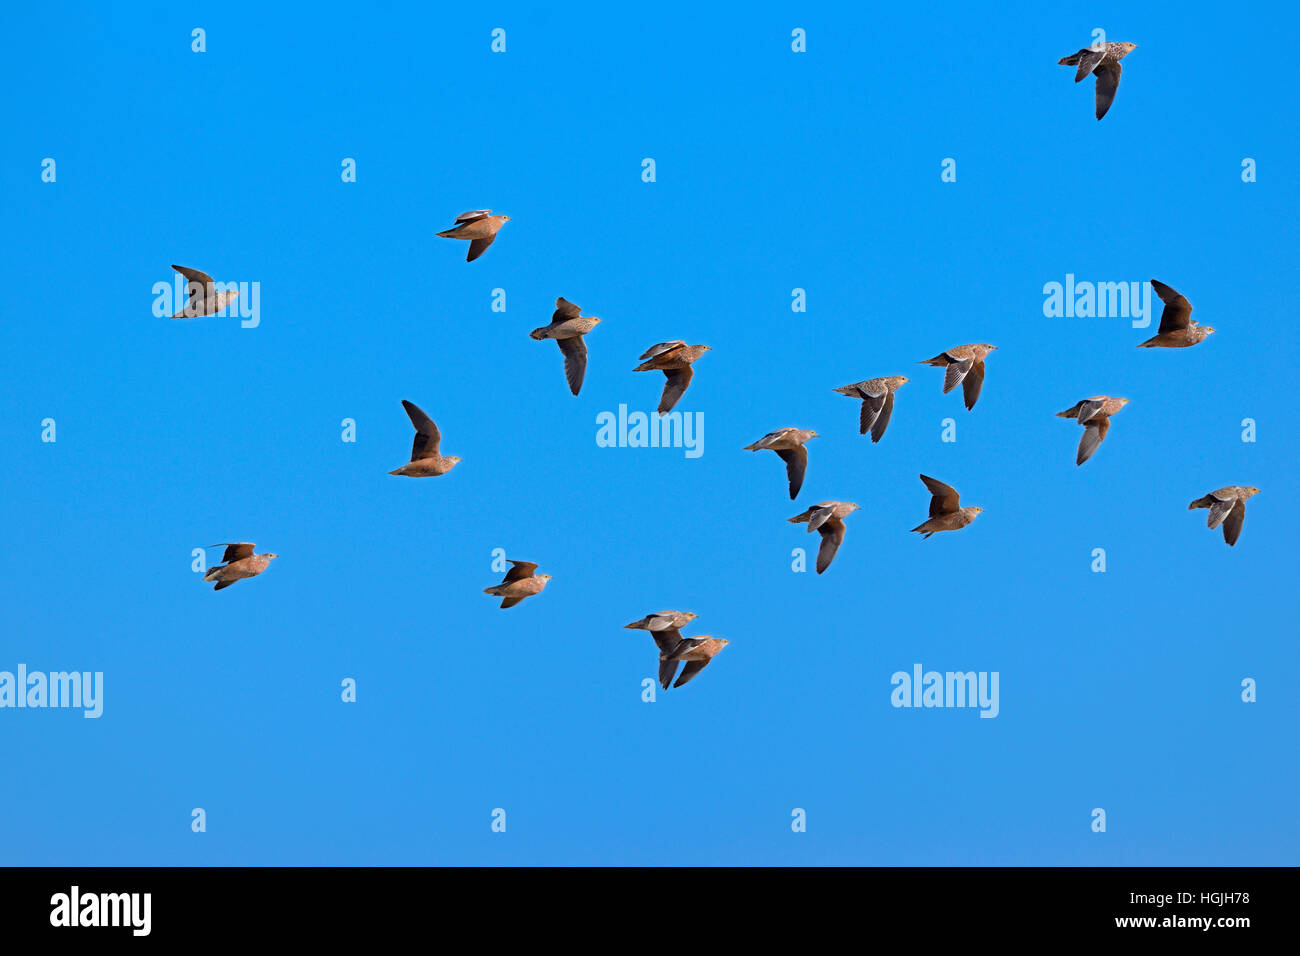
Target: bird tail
538, 334
492, 590
1204, 502
1068, 413
211, 573
645, 367
1071, 60
937, 360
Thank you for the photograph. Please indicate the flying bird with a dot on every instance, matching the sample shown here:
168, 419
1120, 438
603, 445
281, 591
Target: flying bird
965, 367
946, 513
1228, 508
788, 443
203, 299
695, 651
877, 396
674, 360
480, 227
662, 621
239, 562
1102, 61
520, 582
1094, 415
568, 326
827, 518
1177, 330
426, 457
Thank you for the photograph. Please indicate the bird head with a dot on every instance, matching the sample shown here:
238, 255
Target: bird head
270, 556
1208, 329
505, 218
813, 435
689, 615
852, 506
1251, 490
453, 458
989, 348
978, 510
1129, 47
544, 577
1123, 401
723, 641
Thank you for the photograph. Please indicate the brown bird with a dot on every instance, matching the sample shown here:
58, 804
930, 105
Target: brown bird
1228, 508
240, 563
662, 621
520, 582
1102, 61
426, 457
203, 298
1177, 330
480, 227
945, 511
1094, 415
674, 360
568, 326
877, 396
827, 518
695, 651
788, 443
965, 367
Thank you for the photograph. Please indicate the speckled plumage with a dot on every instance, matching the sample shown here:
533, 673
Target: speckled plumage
877, 396
568, 326
1102, 61
674, 360
946, 513
520, 582
828, 519
963, 365
480, 227
1177, 330
240, 563
789, 444
427, 459
1094, 415
1228, 508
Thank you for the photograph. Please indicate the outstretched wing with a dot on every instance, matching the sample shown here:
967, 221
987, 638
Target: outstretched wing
796, 463
1232, 526
882, 420
1088, 60
473, 214
521, 569
1107, 83
575, 361
956, 371
661, 348
690, 670
235, 550
832, 532
972, 383
479, 246
564, 309
1092, 438
427, 437
678, 381
1219, 509
1178, 311
945, 499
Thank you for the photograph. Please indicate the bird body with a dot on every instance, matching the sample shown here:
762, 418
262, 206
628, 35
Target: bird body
1177, 330
877, 396
696, 652
239, 562
828, 519
1228, 508
662, 621
480, 227
568, 326
789, 444
520, 582
674, 359
1094, 415
964, 366
946, 513
203, 299
1102, 61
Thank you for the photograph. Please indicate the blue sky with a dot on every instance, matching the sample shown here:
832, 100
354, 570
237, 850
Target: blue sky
775, 171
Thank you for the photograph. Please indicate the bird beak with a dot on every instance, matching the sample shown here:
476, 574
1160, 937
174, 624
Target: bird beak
1209, 329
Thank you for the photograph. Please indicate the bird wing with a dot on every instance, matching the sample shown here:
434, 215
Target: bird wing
521, 570
427, 437
575, 361
767, 440
235, 550
1088, 60
972, 383
882, 420
1220, 509
479, 246
661, 348
564, 309
666, 671
197, 284
1092, 437
945, 498
512, 601
1178, 311
1107, 83
667, 639
872, 405
690, 670
1232, 526
473, 214
819, 515
675, 387
1089, 407
832, 532
796, 463
956, 371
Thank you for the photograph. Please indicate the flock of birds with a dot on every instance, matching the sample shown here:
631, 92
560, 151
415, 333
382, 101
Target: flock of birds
963, 365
